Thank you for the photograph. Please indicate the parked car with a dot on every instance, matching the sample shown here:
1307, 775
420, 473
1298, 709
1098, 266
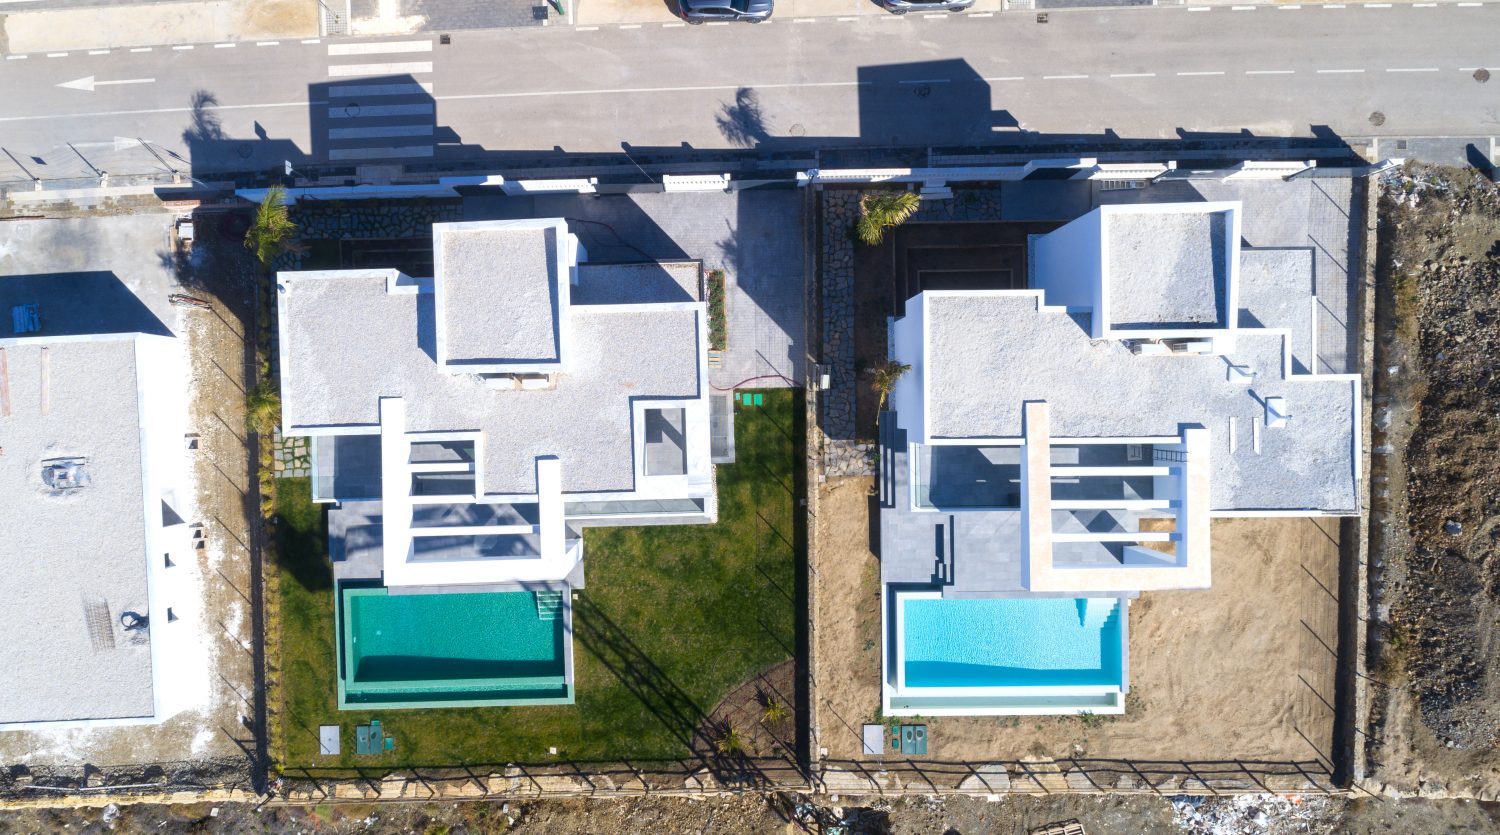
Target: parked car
699, 11
904, 6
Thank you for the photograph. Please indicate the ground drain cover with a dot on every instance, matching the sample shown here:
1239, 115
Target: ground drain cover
1377, 118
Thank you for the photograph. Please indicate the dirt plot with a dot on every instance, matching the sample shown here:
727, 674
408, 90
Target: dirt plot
1436, 525
1244, 670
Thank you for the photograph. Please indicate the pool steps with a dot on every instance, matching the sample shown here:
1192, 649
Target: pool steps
548, 604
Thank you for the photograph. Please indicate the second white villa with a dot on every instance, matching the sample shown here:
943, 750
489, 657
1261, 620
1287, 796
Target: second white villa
1057, 450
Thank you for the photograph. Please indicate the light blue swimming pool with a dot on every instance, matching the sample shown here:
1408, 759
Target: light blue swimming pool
1011, 642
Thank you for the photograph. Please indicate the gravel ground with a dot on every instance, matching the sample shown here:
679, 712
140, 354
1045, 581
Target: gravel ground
1142, 815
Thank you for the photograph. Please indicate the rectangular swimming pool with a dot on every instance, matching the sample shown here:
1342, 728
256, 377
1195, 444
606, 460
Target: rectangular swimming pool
442, 650
1004, 655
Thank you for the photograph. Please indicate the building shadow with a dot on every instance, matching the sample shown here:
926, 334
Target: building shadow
76, 304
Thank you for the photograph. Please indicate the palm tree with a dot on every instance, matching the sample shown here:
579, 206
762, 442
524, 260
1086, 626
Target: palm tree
882, 210
273, 232
263, 408
886, 375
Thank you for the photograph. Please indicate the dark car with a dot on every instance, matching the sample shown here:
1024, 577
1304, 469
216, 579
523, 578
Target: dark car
904, 6
699, 11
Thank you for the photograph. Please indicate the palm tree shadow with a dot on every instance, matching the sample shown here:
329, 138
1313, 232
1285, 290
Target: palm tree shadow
743, 123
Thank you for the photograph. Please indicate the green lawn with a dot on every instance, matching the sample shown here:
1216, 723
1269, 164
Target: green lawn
672, 619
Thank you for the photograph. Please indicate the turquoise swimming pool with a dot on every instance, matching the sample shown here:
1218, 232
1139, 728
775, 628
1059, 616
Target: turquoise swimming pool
1011, 642
437, 650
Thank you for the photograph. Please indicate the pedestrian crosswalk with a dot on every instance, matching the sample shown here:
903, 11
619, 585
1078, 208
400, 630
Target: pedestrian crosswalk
379, 109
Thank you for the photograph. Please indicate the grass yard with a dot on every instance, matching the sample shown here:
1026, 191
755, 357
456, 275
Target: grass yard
672, 619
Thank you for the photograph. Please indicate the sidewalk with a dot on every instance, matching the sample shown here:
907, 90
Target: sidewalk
207, 21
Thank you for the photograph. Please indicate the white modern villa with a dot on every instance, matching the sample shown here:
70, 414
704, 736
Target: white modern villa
92, 471
1057, 450
466, 426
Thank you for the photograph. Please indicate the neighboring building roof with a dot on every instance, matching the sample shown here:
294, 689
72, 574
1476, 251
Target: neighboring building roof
988, 353
501, 299
74, 560
347, 341
1166, 267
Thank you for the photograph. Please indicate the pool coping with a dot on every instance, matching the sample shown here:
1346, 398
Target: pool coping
893, 680
344, 648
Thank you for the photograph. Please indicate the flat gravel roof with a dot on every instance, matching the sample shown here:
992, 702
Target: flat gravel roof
73, 561
347, 343
1167, 269
500, 294
989, 354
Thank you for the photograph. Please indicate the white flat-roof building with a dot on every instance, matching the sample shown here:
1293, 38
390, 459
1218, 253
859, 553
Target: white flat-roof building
1074, 439
91, 471
498, 406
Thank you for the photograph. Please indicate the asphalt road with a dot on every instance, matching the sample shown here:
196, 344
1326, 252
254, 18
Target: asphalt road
1371, 70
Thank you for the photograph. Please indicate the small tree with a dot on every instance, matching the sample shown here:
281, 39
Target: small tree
263, 408
273, 232
882, 210
886, 375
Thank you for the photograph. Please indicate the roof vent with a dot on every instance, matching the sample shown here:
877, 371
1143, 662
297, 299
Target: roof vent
1242, 375
65, 473
1276, 412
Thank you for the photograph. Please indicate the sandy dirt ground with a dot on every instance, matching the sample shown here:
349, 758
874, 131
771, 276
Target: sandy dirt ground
205, 743
1435, 519
118, 26
1240, 671
769, 815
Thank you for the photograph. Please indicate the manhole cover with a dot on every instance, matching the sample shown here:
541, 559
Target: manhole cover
1377, 118
1481, 75
797, 130
245, 151
351, 109
922, 91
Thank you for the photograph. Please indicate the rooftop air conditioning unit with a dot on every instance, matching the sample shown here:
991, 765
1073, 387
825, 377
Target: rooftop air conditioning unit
65, 474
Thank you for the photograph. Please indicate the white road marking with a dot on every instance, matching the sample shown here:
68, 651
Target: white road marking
382, 132
87, 83
183, 48
1198, 8
1270, 72
225, 45
1377, 5
1062, 77
268, 43
1242, 8
631, 26
706, 88
57, 55
1471, 4
15, 57
312, 40
1413, 69
351, 90
847, 19
98, 52
587, 29
804, 20
141, 49
347, 70
1336, 72
47, 117
1133, 75
379, 47
380, 153
422, 109
1288, 8
1332, 6
1424, 5
1209, 72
